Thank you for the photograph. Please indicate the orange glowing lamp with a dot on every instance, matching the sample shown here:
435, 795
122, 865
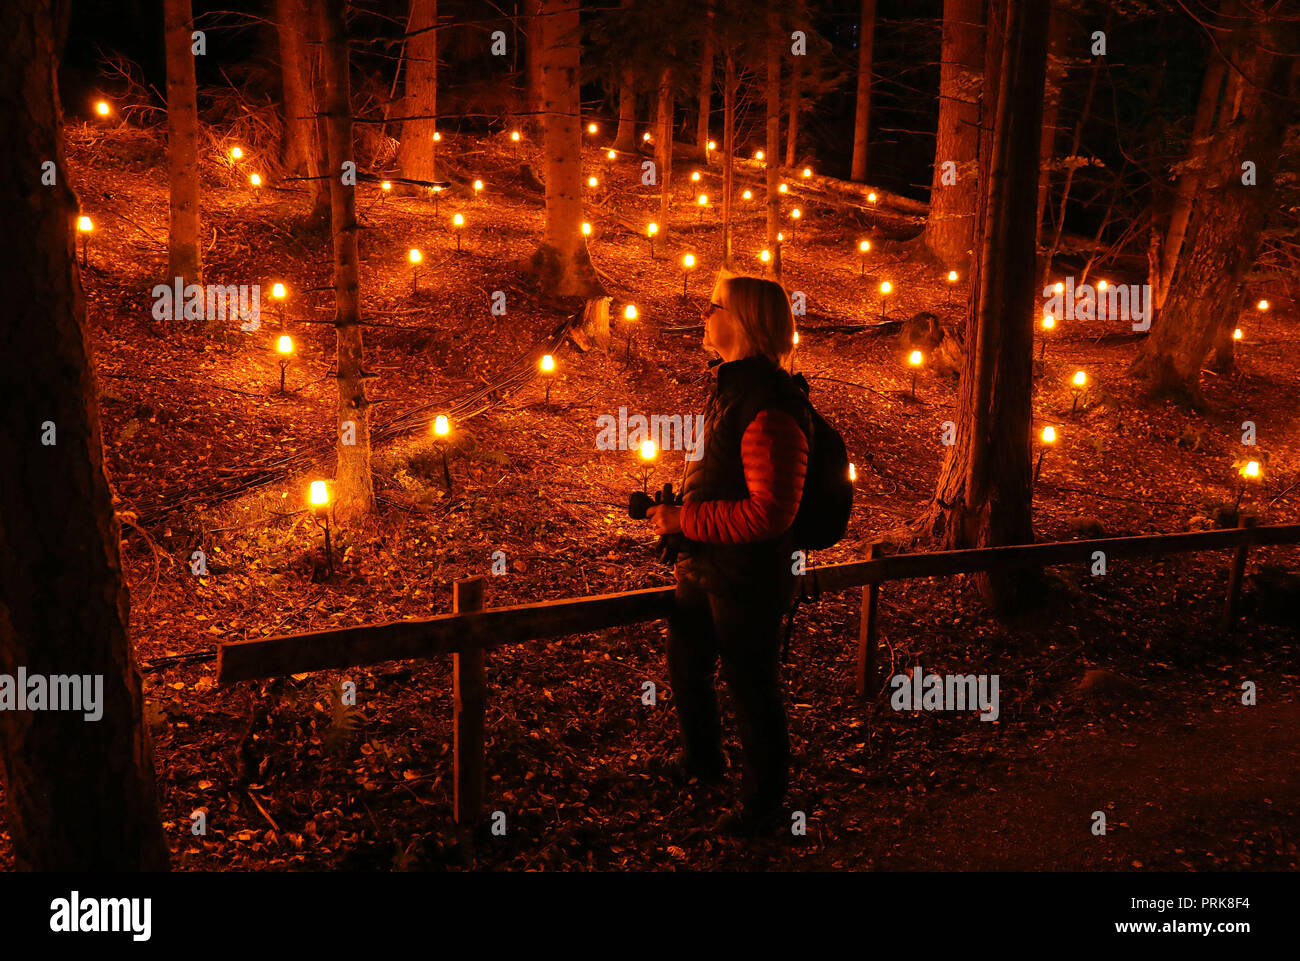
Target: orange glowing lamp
285, 344
1238, 334
747, 195
1049, 434
648, 450
318, 494
629, 312
807, 171
441, 426
586, 229
84, 225
1262, 305
414, 255
759, 155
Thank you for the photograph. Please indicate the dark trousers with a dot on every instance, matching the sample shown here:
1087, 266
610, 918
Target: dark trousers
746, 635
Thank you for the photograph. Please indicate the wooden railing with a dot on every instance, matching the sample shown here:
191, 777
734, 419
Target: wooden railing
470, 631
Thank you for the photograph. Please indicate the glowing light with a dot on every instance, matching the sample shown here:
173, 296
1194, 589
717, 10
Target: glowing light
478, 185
688, 261
1102, 285
782, 188
886, 287
795, 338
712, 145
1059, 288
1250, 469
651, 229
765, 255
320, 494
592, 128
695, 176
780, 237
629, 312
236, 153
547, 364
702, 199
586, 229
415, 256
436, 136
609, 155
648, 450
1238, 334
441, 426
593, 182
853, 472
748, 195
102, 108
386, 186
277, 291
864, 245
514, 135
807, 171
916, 358
84, 225
871, 197
1262, 305
952, 276
1049, 321
255, 179
646, 136
285, 346
458, 220
1049, 434
759, 155
796, 213
1080, 378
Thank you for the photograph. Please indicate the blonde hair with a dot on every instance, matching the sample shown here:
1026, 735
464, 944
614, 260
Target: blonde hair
762, 311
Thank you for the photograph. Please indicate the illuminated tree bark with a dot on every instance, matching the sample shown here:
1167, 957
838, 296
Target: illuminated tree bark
184, 257
984, 493
1229, 218
625, 137
417, 156
950, 227
1057, 67
708, 42
792, 126
561, 262
353, 487
862, 111
664, 141
533, 66
300, 71
772, 150
80, 795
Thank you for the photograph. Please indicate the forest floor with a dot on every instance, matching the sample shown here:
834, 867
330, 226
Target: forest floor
290, 778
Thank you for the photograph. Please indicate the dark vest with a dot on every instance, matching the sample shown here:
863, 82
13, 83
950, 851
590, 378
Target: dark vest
742, 389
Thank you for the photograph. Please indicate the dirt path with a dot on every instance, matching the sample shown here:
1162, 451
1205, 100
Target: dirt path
1205, 795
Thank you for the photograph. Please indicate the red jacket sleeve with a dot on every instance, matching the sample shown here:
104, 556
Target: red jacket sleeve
775, 455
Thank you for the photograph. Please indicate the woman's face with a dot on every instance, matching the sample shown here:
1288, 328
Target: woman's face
720, 330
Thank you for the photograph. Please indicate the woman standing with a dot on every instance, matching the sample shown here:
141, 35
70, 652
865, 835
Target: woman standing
734, 575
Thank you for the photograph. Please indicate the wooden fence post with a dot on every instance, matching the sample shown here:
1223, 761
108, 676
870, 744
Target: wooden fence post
1235, 574
867, 640
470, 697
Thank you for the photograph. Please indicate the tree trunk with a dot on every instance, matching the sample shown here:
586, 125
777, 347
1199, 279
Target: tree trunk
1050, 255
417, 156
706, 86
862, 112
354, 490
184, 257
1225, 233
80, 795
533, 65
792, 130
728, 160
949, 230
561, 262
625, 138
1057, 67
664, 142
1197, 152
983, 498
772, 151
300, 57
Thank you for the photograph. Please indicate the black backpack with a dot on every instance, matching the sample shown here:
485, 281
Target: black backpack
827, 499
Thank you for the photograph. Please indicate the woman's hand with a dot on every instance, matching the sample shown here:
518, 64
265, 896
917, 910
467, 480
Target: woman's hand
666, 519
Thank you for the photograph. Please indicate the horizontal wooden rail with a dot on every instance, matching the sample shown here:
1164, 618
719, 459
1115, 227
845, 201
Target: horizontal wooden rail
450, 633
